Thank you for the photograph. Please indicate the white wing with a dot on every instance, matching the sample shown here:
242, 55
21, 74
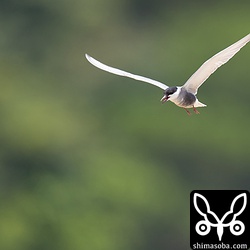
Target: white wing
124, 73
208, 68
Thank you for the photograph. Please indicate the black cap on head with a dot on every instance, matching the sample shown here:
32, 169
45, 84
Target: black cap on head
170, 91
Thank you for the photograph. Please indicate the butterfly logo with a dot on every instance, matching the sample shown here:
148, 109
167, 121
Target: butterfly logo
203, 227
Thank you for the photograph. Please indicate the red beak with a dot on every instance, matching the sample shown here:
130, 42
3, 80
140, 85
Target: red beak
164, 99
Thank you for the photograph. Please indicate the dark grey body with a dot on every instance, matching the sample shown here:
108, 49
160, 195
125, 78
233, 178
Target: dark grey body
183, 99
186, 99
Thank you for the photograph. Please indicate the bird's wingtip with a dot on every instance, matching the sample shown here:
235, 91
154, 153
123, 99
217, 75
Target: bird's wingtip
88, 57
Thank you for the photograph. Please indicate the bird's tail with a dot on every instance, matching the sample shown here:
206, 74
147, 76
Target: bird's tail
199, 104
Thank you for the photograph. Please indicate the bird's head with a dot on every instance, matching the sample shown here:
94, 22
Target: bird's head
169, 93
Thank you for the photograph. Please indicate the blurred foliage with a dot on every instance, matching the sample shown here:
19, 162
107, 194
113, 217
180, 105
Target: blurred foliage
89, 160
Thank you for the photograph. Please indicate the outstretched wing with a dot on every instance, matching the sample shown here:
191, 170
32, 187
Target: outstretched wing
212, 64
124, 73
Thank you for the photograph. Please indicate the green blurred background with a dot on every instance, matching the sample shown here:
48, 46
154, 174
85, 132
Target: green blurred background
89, 160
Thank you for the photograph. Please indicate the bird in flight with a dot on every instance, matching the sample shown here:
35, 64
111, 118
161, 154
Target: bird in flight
183, 96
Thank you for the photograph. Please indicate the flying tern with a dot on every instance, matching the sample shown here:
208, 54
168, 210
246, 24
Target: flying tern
183, 96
